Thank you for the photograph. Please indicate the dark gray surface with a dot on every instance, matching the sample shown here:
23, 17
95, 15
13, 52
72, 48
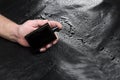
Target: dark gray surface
89, 43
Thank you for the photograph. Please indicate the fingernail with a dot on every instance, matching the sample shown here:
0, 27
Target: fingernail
49, 45
55, 42
42, 49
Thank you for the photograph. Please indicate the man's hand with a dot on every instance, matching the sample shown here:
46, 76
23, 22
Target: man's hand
32, 25
16, 33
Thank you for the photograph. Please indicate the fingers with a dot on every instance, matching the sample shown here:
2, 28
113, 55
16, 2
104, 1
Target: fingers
42, 49
36, 23
48, 46
39, 22
51, 23
55, 24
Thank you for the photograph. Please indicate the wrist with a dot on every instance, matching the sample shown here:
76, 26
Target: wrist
19, 34
9, 31
14, 33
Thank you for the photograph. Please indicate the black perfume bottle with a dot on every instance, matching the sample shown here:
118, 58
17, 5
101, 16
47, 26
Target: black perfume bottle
42, 36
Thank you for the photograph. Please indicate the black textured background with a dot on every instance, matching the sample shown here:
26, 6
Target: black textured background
89, 46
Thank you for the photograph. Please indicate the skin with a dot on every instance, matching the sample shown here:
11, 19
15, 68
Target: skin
15, 32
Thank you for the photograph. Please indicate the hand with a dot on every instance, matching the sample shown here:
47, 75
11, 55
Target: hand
32, 25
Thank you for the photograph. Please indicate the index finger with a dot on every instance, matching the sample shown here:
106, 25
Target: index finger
55, 24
